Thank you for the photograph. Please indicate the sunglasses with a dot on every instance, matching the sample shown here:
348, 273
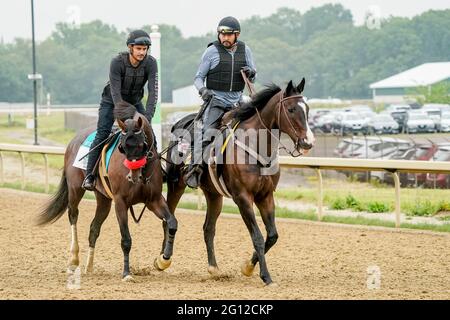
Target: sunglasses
226, 30
143, 41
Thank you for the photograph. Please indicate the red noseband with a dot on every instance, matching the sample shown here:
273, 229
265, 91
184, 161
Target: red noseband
135, 164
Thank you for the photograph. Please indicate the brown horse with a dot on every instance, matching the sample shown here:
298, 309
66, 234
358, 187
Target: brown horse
129, 186
269, 110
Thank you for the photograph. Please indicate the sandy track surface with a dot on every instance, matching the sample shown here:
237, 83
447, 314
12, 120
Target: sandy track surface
310, 261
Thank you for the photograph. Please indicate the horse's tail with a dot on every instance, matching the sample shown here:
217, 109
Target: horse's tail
57, 205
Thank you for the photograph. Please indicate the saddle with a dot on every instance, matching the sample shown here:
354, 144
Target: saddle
228, 125
102, 164
215, 170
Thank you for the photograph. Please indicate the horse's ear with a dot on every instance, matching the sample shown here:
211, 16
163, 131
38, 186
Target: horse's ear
139, 123
121, 125
289, 89
301, 86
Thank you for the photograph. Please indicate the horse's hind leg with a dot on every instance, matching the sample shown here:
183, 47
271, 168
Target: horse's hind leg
214, 207
101, 213
75, 195
267, 209
174, 192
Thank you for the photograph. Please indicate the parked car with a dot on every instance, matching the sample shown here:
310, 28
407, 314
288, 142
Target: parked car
360, 108
382, 123
435, 115
400, 117
440, 106
403, 151
423, 152
440, 180
370, 147
417, 122
445, 122
336, 117
350, 123
314, 115
324, 123
398, 107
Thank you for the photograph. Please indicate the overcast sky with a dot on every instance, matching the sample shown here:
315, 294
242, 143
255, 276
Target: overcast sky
192, 17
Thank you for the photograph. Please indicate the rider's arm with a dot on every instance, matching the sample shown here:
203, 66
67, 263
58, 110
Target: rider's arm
152, 98
204, 67
250, 61
115, 80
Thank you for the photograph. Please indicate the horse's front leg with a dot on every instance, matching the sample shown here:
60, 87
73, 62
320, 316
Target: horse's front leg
174, 192
160, 208
122, 218
267, 209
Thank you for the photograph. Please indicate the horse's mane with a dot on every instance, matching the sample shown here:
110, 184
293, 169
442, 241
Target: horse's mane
246, 110
124, 110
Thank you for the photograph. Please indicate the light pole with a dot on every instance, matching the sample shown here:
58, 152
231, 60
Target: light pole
155, 36
34, 77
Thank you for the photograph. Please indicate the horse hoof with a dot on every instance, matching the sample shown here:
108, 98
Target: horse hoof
128, 278
89, 270
272, 285
214, 271
247, 268
162, 264
72, 268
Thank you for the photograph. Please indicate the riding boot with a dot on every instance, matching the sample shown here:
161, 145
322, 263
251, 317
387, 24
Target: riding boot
194, 175
89, 180
195, 169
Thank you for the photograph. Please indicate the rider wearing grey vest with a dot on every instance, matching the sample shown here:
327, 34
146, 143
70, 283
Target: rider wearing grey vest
220, 66
129, 71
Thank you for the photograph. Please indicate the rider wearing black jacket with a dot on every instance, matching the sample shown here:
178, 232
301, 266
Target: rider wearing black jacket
129, 71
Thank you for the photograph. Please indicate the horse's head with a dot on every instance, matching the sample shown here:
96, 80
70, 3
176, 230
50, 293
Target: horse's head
133, 143
292, 117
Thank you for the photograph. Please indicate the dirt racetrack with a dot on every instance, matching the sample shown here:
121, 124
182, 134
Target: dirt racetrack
310, 261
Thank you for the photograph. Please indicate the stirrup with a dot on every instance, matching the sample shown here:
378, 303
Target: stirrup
192, 178
89, 183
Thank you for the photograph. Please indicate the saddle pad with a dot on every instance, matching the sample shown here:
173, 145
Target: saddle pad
84, 149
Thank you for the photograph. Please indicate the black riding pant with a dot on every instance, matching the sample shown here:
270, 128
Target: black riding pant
210, 120
104, 125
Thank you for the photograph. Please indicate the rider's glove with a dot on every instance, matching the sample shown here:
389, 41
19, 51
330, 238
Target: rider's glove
205, 93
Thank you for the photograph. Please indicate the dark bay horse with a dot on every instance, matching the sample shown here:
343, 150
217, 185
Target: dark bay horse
130, 185
270, 109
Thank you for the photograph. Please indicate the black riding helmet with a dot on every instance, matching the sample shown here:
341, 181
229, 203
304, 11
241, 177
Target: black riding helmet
229, 25
139, 37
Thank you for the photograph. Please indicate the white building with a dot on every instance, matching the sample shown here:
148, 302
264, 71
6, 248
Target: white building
396, 88
186, 96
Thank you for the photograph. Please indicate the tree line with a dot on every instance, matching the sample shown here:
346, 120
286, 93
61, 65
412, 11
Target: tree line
337, 58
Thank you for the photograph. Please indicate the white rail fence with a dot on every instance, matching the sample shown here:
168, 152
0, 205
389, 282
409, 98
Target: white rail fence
317, 164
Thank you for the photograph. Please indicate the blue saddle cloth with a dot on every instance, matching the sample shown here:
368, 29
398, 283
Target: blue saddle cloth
112, 146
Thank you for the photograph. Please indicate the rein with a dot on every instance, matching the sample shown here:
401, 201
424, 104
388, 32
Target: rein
149, 156
280, 104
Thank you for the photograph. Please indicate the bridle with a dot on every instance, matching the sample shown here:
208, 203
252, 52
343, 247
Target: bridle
149, 155
280, 105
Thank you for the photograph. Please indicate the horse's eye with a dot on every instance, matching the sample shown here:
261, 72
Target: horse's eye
291, 110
